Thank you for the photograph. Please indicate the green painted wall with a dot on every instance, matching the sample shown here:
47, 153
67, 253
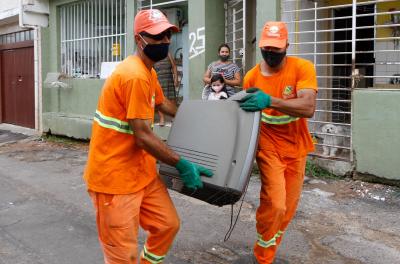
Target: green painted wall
209, 15
376, 128
266, 11
130, 17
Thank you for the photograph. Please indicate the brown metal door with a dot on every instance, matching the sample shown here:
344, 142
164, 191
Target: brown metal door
17, 77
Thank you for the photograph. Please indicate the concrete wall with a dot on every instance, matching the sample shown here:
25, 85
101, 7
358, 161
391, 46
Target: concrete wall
206, 29
9, 11
7, 5
266, 11
376, 127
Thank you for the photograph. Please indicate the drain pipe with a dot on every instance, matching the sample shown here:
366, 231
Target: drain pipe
37, 49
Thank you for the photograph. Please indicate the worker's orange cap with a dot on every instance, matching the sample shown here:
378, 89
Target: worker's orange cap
274, 34
152, 21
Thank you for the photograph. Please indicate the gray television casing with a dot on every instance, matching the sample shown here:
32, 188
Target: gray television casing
219, 136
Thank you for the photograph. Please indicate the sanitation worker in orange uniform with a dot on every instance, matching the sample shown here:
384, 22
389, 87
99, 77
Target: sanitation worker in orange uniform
121, 171
286, 89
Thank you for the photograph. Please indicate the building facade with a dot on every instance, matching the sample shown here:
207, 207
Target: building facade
20, 48
354, 45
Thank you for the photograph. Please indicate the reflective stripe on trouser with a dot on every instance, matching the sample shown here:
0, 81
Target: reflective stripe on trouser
281, 184
150, 257
272, 242
277, 120
119, 217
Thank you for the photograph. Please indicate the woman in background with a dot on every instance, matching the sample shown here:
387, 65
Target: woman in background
168, 77
229, 71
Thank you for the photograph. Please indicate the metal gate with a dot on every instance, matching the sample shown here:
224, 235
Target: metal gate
235, 26
17, 86
149, 4
354, 45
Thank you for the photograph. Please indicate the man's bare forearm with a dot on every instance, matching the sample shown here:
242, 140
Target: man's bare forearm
147, 140
168, 108
298, 107
158, 149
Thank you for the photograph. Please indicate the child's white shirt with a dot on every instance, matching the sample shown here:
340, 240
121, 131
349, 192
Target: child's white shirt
216, 96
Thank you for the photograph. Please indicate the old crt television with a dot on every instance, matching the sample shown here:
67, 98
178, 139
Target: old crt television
219, 136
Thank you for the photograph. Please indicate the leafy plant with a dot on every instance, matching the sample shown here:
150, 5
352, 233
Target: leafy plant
316, 171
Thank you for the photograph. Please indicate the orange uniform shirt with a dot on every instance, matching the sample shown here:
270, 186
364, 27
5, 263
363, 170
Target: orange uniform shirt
115, 164
286, 135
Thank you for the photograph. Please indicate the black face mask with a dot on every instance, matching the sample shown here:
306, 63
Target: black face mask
223, 58
272, 58
156, 52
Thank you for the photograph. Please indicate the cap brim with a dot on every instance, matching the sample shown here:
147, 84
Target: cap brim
162, 27
277, 43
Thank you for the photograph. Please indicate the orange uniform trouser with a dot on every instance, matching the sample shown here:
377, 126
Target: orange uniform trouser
281, 185
119, 216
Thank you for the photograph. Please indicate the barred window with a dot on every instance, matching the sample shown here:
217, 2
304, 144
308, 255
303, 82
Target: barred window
92, 32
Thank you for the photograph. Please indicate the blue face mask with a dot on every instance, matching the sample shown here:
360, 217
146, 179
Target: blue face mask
155, 52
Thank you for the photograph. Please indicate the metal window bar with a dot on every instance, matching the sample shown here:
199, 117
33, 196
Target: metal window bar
343, 17
326, 122
119, 31
331, 134
81, 43
112, 30
102, 31
334, 88
343, 41
344, 29
353, 46
342, 53
327, 158
237, 21
90, 42
85, 50
92, 32
335, 146
107, 20
146, 4
350, 77
337, 6
235, 30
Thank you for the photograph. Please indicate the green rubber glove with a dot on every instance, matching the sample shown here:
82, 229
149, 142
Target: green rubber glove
190, 173
256, 100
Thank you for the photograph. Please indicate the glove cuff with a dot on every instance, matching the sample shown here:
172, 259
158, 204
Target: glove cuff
268, 101
182, 164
